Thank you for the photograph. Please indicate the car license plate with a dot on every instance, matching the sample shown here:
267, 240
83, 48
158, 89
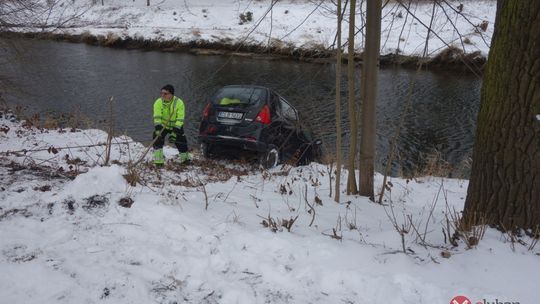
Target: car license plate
231, 115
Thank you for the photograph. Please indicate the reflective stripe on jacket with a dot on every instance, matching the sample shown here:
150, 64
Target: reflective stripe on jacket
169, 114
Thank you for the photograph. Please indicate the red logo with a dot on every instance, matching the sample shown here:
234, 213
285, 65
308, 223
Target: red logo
460, 300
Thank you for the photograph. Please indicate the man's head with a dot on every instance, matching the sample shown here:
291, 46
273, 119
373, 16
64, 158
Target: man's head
167, 92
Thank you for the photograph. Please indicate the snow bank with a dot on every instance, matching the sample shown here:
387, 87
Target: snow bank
65, 239
466, 24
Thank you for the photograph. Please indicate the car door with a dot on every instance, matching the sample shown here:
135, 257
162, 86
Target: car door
291, 146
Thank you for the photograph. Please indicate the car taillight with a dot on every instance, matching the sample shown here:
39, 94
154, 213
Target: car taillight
206, 111
264, 115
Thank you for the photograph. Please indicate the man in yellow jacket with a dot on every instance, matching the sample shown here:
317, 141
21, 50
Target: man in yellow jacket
169, 113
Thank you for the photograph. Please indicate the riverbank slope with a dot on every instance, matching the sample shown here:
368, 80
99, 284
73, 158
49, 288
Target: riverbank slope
74, 230
448, 32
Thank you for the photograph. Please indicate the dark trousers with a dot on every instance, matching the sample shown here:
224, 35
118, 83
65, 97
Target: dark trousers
180, 143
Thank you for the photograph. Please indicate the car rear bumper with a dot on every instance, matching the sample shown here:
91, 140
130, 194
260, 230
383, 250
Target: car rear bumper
234, 142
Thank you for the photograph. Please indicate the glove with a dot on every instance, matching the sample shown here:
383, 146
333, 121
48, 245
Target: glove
172, 138
178, 131
175, 133
158, 129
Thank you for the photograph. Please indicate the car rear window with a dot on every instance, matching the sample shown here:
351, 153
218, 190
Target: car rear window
238, 96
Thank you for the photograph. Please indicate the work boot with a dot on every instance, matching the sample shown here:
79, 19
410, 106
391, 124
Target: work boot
159, 158
183, 157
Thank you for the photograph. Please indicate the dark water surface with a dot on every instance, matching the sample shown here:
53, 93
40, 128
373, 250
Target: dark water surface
47, 76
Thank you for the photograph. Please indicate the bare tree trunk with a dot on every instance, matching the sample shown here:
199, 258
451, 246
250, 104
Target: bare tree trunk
338, 103
110, 133
504, 187
370, 72
351, 180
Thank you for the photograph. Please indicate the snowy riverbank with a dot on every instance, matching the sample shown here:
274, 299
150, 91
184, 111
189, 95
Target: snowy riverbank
68, 236
288, 27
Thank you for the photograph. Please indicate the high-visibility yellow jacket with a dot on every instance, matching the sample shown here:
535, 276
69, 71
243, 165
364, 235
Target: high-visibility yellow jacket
169, 114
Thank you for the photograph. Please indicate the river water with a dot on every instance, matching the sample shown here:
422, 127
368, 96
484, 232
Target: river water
58, 77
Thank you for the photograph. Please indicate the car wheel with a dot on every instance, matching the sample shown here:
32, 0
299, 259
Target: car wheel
206, 150
270, 158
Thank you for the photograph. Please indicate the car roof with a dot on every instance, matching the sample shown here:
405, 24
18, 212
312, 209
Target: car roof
247, 86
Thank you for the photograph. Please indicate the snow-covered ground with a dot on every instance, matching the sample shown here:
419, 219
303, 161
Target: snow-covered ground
306, 24
65, 238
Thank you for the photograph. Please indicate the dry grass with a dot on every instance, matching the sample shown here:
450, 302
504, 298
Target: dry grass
450, 54
469, 229
132, 176
196, 33
278, 225
482, 26
110, 39
195, 174
51, 121
434, 165
463, 168
534, 238
88, 38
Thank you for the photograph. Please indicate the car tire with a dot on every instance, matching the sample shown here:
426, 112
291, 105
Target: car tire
269, 158
206, 150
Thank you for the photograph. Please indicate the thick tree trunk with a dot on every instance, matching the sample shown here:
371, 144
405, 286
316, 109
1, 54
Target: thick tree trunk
370, 72
505, 179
